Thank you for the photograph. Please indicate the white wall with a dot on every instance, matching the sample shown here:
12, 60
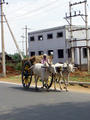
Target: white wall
79, 35
48, 44
58, 43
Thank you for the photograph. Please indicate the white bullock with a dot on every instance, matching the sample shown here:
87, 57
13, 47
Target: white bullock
63, 73
42, 71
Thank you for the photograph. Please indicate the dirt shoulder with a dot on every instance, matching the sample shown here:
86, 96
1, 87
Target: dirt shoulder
14, 76
74, 88
78, 88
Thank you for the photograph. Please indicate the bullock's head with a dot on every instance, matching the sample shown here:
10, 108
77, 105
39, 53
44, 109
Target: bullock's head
71, 67
68, 67
65, 65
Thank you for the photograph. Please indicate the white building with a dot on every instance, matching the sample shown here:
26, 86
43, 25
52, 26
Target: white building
57, 39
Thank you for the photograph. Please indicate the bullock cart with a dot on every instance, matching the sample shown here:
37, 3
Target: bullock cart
28, 75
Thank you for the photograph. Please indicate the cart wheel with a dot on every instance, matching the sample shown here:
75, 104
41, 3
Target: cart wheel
49, 82
26, 75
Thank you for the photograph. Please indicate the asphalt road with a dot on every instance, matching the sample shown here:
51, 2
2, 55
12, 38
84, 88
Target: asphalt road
19, 104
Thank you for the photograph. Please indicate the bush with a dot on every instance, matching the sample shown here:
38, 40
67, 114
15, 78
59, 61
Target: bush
18, 66
15, 66
10, 65
16, 57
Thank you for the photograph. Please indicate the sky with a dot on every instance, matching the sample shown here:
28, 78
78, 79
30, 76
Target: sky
36, 14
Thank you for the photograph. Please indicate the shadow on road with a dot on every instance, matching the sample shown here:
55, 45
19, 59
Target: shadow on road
62, 111
32, 89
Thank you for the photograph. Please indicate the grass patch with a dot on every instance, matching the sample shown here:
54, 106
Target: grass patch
80, 79
80, 76
77, 76
14, 79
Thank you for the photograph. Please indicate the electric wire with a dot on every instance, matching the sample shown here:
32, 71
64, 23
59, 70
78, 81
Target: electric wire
37, 10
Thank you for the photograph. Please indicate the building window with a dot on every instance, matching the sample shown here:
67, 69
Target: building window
69, 53
32, 38
33, 53
59, 34
40, 37
40, 52
60, 53
50, 52
49, 36
84, 52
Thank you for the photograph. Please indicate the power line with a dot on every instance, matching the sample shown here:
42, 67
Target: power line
41, 7
35, 11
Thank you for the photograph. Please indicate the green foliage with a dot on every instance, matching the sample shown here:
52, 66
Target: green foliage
18, 66
15, 66
80, 78
16, 57
10, 64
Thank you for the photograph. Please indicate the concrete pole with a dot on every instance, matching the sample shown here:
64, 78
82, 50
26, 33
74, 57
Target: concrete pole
71, 35
80, 61
86, 23
2, 39
14, 38
22, 36
26, 40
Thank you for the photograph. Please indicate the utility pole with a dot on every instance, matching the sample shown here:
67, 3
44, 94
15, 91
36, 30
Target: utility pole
86, 24
2, 39
14, 38
22, 36
26, 39
71, 34
72, 29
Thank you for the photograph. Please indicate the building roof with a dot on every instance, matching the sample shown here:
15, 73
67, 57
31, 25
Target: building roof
47, 30
55, 28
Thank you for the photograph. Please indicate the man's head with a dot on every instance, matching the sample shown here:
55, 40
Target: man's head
45, 56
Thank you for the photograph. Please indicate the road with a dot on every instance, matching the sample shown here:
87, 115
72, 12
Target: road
19, 104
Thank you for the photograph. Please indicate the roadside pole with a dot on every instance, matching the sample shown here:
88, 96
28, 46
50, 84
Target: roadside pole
2, 39
26, 31
19, 51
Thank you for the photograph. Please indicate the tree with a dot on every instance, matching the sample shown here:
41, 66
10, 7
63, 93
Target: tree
16, 57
